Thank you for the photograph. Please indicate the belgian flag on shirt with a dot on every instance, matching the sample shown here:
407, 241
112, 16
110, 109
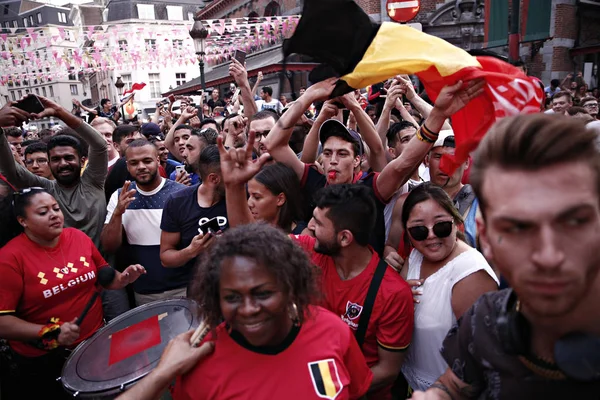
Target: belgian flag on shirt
338, 34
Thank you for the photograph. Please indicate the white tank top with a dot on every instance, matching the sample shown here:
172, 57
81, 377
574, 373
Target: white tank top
434, 317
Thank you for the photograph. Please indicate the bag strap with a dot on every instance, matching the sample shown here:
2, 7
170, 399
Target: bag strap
369, 302
464, 199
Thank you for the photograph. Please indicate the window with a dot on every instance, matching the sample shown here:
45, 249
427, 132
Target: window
62, 17
20, 93
154, 80
74, 89
126, 78
72, 74
51, 91
177, 44
175, 13
39, 18
44, 91
145, 11
37, 91
180, 78
25, 23
122, 45
12, 93
15, 24
6, 8
7, 24
31, 20
191, 16
150, 43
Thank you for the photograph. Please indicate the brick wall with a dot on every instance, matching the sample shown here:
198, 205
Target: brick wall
370, 6
566, 26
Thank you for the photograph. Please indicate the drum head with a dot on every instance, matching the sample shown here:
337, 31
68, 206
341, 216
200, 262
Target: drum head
128, 348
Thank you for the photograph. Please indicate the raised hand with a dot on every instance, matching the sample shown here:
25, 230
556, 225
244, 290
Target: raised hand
188, 113
452, 98
125, 198
51, 109
238, 72
328, 111
407, 85
12, 116
237, 166
321, 90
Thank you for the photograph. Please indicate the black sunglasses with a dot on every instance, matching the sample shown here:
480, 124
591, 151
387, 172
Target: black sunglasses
441, 229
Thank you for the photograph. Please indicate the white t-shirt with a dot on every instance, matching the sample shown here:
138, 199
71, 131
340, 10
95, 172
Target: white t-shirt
274, 105
434, 316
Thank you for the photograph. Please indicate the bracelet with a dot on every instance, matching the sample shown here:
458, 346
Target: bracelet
48, 335
425, 131
424, 137
443, 388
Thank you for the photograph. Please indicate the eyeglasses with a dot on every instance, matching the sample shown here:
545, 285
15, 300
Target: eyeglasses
441, 229
591, 105
40, 161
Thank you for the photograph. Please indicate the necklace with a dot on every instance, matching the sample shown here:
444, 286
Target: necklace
64, 263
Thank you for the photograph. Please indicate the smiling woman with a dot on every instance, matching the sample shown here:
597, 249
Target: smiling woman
274, 343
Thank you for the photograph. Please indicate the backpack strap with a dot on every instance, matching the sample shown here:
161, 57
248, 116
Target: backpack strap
464, 199
370, 302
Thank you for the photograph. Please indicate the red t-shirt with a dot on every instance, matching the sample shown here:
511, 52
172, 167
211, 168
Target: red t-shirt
392, 319
39, 283
322, 361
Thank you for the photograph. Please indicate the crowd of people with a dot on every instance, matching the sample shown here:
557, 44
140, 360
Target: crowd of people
331, 255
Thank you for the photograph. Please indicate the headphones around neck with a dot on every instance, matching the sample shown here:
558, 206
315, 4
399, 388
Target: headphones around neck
577, 354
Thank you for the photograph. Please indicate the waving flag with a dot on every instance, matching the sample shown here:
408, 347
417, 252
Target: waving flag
363, 53
135, 87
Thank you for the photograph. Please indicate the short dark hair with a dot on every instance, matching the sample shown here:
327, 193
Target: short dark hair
65, 140
351, 207
532, 143
13, 131
555, 82
279, 178
37, 147
139, 143
103, 102
71, 132
370, 107
267, 246
209, 135
562, 93
268, 90
586, 99
207, 121
123, 131
209, 161
395, 129
429, 191
228, 117
183, 126
265, 114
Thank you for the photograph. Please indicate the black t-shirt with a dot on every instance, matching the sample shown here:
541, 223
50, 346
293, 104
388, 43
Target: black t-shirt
473, 349
183, 214
116, 177
313, 180
212, 104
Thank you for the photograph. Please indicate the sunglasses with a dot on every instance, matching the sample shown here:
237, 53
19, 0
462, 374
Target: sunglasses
441, 229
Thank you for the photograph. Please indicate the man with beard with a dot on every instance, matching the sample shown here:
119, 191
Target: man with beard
537, 178
182, 239
261, 124
136, 210
194, 145
80, 196
122, 136
342, 222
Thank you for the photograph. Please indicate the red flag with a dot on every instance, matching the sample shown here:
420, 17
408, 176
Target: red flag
134, 87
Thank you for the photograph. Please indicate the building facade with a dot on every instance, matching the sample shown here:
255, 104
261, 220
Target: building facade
32, 33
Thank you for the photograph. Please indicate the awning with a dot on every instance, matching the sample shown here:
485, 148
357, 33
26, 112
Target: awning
535, 21
496, 23
265, 61
578, 51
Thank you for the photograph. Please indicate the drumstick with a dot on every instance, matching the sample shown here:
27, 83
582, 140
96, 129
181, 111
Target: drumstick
199, 334
87, 308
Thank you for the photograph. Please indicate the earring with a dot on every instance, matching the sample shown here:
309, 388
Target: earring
293, 313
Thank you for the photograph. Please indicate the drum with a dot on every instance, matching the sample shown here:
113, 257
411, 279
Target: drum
127, 349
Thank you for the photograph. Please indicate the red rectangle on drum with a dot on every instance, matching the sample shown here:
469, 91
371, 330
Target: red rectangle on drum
134, 339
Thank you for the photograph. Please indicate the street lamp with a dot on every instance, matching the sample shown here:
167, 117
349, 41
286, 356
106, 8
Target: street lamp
119, 84
199, 33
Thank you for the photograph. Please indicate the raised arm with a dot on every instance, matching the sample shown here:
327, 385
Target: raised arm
384, 119
259, 79
186, 115
239, 73
377, 159
423, 107
450, 100
311, 143
277, 140
237, 168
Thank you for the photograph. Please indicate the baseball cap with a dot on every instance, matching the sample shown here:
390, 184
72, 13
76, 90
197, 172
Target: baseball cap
150, 128
445, 139
333, 127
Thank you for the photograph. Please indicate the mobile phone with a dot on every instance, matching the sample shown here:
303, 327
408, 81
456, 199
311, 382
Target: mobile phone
31, 104
180, 168
212, 225
240, 56
172, 98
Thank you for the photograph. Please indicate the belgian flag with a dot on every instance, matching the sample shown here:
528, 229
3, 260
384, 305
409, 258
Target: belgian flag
325, 378
338, 34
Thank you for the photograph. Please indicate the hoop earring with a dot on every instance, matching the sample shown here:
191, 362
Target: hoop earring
293, 314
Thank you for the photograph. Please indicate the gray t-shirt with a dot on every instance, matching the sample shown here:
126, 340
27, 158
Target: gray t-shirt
83, 205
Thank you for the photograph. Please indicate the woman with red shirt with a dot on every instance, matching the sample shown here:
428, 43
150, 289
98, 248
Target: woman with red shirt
49, 275
273, 343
